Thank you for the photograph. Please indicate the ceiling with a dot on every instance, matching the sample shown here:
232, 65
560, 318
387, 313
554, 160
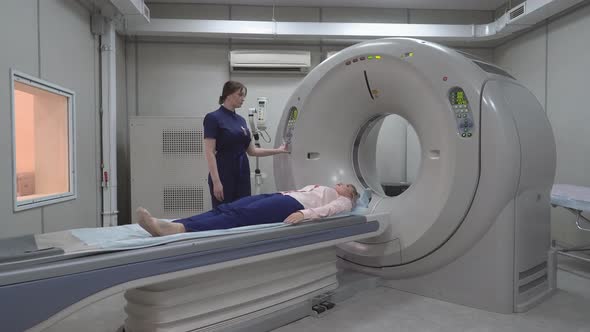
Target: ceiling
414, 4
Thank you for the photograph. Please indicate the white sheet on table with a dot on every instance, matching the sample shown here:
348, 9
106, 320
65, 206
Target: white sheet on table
571, 196
133, 236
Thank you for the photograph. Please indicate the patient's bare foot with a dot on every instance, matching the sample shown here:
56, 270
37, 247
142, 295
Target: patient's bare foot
157, 227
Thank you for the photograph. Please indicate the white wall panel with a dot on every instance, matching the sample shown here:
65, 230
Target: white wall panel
524, 58
180, 79
297, 14
51, 40
189, 11
391, 150
282, 14
420, 16
365, 15
131, 77
568, 110
68, 53
19, 51
251, 13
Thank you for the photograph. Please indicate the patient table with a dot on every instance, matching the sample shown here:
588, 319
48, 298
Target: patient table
575, 199
191, 283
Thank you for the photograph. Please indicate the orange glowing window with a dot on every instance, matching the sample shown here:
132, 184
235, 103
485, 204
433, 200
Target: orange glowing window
43, 142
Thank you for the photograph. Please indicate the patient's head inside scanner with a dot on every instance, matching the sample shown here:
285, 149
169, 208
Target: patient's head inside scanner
347, 190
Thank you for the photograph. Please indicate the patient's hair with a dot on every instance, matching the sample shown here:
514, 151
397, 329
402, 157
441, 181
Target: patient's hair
355, 195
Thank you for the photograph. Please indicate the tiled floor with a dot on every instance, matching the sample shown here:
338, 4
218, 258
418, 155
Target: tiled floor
384, 309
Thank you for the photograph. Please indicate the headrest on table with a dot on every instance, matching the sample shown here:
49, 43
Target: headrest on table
362, 203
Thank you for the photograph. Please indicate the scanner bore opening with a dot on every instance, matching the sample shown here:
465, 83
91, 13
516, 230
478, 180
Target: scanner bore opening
386, 154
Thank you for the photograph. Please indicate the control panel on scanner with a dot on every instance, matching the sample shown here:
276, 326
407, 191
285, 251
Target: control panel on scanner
462, 112
290, 126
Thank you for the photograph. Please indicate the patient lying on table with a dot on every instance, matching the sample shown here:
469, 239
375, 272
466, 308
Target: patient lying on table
292, 207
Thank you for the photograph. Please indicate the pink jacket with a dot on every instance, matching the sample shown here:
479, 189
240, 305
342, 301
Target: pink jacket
320, 201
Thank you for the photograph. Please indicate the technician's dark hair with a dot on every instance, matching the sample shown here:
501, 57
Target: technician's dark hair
230, 87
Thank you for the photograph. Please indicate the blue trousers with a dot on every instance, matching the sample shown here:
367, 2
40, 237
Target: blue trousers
251, 210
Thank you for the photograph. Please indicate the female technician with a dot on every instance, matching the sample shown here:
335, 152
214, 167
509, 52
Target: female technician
227, 141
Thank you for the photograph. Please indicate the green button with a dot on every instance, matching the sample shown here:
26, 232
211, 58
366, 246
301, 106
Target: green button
468, 134
466, 129
458, 115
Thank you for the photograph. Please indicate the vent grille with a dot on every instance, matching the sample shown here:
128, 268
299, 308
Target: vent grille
532, 284
182, 143
516, 12
180, 199
531, 271
540, 270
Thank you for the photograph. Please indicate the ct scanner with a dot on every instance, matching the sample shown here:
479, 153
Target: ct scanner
474, 226
472, 229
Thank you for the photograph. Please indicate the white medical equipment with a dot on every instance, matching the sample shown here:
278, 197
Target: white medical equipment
261, 103
257, 121
256, 136
213, 283
473, 228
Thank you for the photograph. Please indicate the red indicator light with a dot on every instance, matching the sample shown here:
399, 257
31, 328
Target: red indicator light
445, 78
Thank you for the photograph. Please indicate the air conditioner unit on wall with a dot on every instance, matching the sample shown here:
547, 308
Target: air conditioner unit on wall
270, 61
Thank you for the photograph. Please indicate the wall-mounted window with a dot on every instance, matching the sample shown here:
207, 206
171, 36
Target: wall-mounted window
42, 142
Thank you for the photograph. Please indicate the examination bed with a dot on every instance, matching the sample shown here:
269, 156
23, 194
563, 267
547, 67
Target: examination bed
575, 199
40, 287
